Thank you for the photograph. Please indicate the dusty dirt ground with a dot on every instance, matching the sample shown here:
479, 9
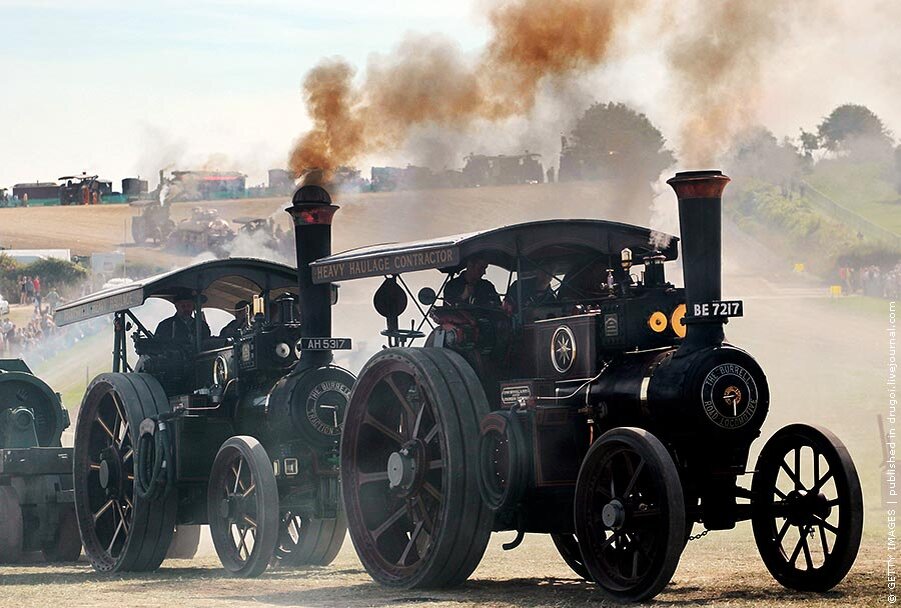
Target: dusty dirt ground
721, 569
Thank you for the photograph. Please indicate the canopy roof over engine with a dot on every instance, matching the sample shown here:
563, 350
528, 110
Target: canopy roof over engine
545, 240
223, 283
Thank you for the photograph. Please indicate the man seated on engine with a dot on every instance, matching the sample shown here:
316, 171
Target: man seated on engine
179, 329
233, 328
470, 288
536, 291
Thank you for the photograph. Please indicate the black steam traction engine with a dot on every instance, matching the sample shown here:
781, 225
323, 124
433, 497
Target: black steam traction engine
240, 432
606, 410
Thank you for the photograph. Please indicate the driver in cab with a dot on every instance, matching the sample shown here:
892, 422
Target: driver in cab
180, 328
470, 288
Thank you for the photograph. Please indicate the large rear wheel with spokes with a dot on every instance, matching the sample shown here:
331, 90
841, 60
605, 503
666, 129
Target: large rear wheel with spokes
409, 468
807, 509
242, 500
121, 531
629, 514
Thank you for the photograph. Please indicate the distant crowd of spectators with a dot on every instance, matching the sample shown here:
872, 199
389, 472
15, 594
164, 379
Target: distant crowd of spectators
30, 293
40, 338
871, 281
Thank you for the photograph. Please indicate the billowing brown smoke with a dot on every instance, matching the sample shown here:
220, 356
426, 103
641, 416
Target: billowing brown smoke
716, 58
430, 82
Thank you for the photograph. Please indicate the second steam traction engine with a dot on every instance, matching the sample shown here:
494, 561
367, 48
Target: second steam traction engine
598, 403
238, 431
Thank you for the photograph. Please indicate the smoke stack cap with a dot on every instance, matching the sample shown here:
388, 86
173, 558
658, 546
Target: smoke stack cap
699, 184
311, 195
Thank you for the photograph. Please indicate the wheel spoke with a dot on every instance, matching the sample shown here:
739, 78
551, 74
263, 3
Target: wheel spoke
250, 521
238, 475
393, 519
103, 509
432, 490
807, 557
608, 467
782, 532
124, 435
825, 524
112, 541
816, 468
823, 541
409, 415
249, 490
128, 454
608, 541
243, 543
431, 435
798, 547
818, 485
364, 478
410, 543
436, 464
105, 428
384, 430
792, 475
798, 485
426, 518
122, 517
119, 410
634, 479
417, 424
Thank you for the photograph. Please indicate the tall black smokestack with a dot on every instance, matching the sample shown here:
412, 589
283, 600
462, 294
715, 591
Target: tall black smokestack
701, 222
312, 210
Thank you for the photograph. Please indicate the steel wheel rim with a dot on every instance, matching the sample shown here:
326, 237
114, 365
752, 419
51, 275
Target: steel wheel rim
626, 509
238, 512
803, 514
401, 522
109, 479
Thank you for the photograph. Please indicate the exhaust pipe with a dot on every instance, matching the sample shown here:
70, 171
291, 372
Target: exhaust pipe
701, 222
312, 211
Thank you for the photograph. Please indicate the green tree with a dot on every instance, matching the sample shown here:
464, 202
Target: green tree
611, 140
756, 153
810, 143
850, 125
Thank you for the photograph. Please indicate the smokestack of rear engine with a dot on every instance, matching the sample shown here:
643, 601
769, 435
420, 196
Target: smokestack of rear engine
700, 220
312, 210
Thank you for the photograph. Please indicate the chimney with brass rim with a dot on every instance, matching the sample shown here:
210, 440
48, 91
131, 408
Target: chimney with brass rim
700, 219
312, 211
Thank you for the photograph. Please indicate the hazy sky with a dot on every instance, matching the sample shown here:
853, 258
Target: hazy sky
117, 87
122, 88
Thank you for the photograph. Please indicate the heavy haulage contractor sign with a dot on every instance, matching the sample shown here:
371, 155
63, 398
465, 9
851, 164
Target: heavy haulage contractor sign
327, 271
